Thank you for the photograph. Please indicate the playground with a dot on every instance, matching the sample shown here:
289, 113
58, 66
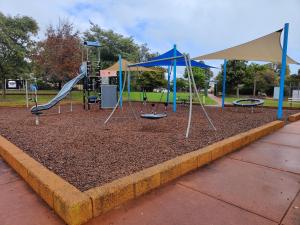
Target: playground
115, 129
81, 149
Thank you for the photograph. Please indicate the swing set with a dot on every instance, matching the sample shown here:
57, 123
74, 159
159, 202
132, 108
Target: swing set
165, 59
153, 114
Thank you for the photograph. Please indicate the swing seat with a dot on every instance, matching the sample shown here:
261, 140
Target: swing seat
92, 99
153, 116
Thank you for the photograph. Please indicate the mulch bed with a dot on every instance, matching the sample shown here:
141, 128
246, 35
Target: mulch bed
81, 149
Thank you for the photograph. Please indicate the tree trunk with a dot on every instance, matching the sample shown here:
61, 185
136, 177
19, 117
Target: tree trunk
254, 86
3, 77
3, 87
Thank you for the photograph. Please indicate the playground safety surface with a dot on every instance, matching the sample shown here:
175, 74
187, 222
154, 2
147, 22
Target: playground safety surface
81, 149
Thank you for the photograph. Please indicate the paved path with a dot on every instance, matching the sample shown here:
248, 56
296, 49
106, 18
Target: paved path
259, 184
19, 205
216, 99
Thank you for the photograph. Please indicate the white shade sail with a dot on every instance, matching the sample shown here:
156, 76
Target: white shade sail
125, 63
267, 48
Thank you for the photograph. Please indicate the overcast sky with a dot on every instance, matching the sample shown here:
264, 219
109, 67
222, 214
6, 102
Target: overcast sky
196, 26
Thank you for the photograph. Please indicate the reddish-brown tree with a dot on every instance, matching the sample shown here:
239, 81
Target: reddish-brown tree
58, 57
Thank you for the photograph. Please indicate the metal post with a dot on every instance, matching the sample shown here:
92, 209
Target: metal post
174, 80
84, 92
58, 108
120, 81
207, 81
169, 74
35, 90
282, 71
37, 122
88, 92
224, 83
71, 105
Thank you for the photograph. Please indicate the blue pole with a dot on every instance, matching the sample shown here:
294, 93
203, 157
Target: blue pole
120, 81
224, 83
282, 71
174, 80
169, 74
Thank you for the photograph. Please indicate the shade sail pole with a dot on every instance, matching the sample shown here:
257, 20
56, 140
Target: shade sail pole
120, 81
224, 83
174, 80
282, 71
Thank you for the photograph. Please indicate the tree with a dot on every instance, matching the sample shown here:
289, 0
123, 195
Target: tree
293, 82
277, 68
235, 75
59, 55
144, 53
15, 45
266, 80
256, 72
113, 44
254, 77
182, 84
150, 80
201, 76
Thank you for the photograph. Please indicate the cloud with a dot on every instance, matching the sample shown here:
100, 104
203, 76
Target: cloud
196, 26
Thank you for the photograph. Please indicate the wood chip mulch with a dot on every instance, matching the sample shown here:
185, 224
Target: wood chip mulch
81, 149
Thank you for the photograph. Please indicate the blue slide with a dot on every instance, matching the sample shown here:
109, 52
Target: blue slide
66, 89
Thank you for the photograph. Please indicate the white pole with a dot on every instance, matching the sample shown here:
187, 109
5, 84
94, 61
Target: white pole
71, 109
58, 108
198, 96
191, 99
37, 122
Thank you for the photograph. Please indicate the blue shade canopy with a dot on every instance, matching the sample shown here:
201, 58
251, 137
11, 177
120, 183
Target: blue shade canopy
169, 62
92, 43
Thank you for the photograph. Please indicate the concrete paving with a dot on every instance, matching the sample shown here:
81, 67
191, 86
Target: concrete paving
19, 205
259, 184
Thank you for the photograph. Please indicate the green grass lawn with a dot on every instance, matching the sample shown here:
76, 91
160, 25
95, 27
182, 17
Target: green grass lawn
268, 102
22, 92
157, 97
45, 96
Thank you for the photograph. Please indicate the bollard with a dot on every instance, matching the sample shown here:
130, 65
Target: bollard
37, 122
